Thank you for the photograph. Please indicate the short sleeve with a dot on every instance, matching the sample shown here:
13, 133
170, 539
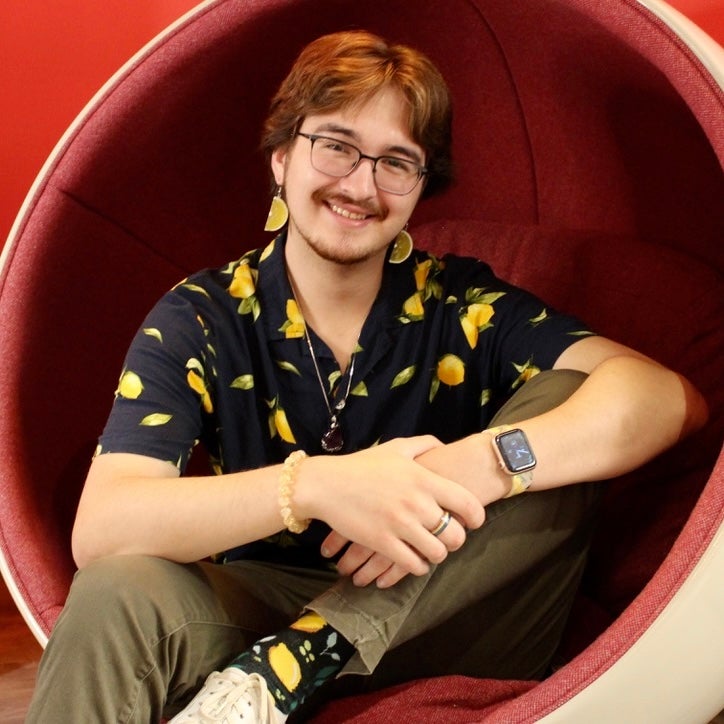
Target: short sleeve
165, 386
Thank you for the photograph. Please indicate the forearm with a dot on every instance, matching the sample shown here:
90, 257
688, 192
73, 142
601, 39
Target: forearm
182, 519
627, 411
380, 496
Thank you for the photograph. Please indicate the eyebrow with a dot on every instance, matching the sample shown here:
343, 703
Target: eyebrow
331, 127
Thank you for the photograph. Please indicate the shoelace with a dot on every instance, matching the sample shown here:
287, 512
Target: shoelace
224, 695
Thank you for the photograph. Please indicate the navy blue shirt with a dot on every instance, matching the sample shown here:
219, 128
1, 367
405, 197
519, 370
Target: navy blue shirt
222, 360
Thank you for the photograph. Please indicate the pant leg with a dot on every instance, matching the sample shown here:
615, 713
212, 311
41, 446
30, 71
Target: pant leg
517, 573
139, 630
522, 582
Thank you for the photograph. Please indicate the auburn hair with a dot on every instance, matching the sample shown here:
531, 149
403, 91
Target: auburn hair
344, 69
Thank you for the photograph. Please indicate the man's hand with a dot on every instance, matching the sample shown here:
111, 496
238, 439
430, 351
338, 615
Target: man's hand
465, 461
386, 503
365, 565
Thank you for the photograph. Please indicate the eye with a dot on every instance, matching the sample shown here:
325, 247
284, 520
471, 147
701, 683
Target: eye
397, 166
331, 145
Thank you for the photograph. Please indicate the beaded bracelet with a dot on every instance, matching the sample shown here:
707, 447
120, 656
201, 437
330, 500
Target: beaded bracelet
286, 487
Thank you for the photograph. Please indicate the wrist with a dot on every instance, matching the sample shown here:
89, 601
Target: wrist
286, 493
491, 482
306, 488
514, 455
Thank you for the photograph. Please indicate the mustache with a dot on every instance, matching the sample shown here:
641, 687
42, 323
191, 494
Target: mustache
366, 206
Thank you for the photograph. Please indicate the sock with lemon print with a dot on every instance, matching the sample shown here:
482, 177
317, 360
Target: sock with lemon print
298, 660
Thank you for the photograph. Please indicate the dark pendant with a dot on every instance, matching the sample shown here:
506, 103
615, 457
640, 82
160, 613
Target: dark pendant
332, 440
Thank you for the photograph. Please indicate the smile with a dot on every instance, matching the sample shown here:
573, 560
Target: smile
347, 214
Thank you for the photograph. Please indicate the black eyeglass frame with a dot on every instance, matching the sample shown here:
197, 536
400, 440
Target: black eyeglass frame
313, 137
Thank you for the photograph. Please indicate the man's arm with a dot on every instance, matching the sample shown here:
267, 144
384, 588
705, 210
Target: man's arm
136, 504
628, 410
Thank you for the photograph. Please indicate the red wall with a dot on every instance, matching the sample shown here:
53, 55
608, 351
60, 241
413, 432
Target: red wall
55, 55
707, 14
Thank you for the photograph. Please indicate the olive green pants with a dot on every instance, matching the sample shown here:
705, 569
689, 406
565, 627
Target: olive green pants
138, 634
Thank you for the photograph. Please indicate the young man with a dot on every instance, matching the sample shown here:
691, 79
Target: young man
345, 394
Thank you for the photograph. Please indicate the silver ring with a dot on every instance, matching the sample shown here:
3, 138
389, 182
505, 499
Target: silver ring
444, 522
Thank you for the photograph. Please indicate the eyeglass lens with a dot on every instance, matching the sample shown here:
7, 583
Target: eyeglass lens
337, 158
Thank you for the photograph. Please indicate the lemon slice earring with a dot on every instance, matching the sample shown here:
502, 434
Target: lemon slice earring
278, 212
402, 247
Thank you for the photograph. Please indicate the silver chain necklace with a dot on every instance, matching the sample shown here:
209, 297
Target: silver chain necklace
332, 440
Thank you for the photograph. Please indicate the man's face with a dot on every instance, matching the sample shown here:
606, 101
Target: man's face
349, 220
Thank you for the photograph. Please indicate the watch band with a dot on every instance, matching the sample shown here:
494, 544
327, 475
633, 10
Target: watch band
521, 483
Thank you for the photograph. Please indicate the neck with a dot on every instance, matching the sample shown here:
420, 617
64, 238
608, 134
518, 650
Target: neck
335, 299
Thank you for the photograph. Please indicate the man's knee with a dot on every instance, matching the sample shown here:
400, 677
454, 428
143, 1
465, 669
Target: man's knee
119, 592
541, 393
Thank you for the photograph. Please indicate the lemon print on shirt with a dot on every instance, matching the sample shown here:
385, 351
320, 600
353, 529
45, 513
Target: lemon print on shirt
130, 385
476, 317
413, 309
525, 372
198, 385
278, 423
243, 287
282, 425
451, 370
426, 286
293, 326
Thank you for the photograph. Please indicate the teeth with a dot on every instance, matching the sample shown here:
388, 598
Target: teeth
347, 214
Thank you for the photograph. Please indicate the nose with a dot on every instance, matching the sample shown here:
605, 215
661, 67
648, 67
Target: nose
360, 182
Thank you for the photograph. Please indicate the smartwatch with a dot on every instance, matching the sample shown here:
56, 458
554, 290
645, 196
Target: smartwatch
515, 456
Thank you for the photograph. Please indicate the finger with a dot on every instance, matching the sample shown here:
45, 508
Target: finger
367, 566
394, 574
396, 550
454, 536
410, 559
388, 545
333, 544
427, 545
354, 558
374, 567
435, 547
466, 508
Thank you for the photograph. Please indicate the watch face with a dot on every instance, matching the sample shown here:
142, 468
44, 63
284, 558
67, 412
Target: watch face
515, 451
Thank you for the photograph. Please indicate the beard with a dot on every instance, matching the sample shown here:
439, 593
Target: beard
342, 251
346, 248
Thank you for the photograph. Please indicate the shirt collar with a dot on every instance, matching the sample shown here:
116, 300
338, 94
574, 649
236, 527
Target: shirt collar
277, 299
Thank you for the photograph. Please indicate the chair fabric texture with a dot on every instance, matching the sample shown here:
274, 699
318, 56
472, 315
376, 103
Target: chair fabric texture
589, 142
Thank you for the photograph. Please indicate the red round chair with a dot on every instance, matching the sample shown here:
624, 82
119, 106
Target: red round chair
589, 136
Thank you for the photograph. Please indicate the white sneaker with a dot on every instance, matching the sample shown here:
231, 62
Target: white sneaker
229, 697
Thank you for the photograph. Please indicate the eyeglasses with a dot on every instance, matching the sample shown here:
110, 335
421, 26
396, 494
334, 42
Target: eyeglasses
333, 157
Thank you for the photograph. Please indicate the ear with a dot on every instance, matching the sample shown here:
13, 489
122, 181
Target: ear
278, 164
